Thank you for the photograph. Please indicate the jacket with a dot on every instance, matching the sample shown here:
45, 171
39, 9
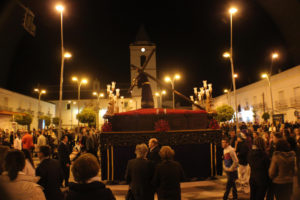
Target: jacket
51, 177
153, 155
230, 159
91, 191
63, 154
282, 168
259, 164
167, 178
23, 187
27, 141
139, 174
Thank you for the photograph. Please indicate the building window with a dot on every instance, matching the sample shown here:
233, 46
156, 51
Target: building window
143, 59
281, 96
68, 106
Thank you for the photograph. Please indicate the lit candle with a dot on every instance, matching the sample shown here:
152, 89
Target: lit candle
113, 85
207, 93
205, 84
202, 91
210, 87
192, 98
108, 88
118, 92
195, 90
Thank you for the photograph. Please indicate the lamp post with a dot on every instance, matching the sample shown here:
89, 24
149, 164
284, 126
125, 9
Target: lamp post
40, 92
226, 91
98, 95
229, 55
266, 76
160, 94
172, 81
64, 55
79, 83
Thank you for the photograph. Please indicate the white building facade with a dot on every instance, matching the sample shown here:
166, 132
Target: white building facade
254, 99
14, 103
70, 109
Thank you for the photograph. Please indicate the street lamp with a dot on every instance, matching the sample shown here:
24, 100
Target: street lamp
98, 95
160, 95
266, 76
40, 92
172, 81
229, 55
274, 56
79, 83
60, 8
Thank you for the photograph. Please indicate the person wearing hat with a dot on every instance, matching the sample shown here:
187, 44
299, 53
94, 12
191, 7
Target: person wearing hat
242, 149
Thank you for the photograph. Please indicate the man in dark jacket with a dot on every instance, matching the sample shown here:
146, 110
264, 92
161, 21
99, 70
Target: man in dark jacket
51, 174
242, 149
139, 174
64, 158
153, 154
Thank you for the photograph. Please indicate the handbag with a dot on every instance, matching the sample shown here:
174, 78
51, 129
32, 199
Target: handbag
129, 195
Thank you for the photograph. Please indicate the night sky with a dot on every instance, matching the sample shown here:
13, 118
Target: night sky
191, 36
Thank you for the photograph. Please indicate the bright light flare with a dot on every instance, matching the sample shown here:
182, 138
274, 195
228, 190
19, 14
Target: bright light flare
264, 75
225, 91
275, 55
84, 81
59, 8
177, 76
167, 79
95, 93
226, 55
36, 90
232, 10
67, 55
235, 75
101, 95
164, 92
43, 91
74, 78
157, 94
143, 49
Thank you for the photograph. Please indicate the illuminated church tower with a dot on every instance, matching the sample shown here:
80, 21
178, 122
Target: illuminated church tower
139, 51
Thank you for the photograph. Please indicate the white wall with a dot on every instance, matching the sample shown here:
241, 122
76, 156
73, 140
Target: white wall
285, 91
18, 103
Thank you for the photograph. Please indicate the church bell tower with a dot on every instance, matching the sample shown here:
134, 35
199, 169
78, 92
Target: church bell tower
139, 52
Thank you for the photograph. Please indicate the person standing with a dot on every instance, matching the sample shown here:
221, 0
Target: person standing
139, 173
282, 170
41, 140
64, 158
50, 173
168, 175
230, 167
18, 142
242, 149
29, 165
153, 154
27, 141
259, 164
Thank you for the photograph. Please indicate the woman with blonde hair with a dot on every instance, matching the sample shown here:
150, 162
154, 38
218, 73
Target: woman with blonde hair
168, 175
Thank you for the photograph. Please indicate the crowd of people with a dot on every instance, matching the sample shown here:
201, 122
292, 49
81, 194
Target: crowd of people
260, 159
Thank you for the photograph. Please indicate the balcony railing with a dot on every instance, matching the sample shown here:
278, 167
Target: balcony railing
295, 102
281, 105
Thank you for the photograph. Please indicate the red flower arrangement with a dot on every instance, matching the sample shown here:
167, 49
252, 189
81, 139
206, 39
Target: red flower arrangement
106, 127
213, 124
162, 126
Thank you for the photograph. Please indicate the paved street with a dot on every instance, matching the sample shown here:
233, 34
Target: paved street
210, 189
